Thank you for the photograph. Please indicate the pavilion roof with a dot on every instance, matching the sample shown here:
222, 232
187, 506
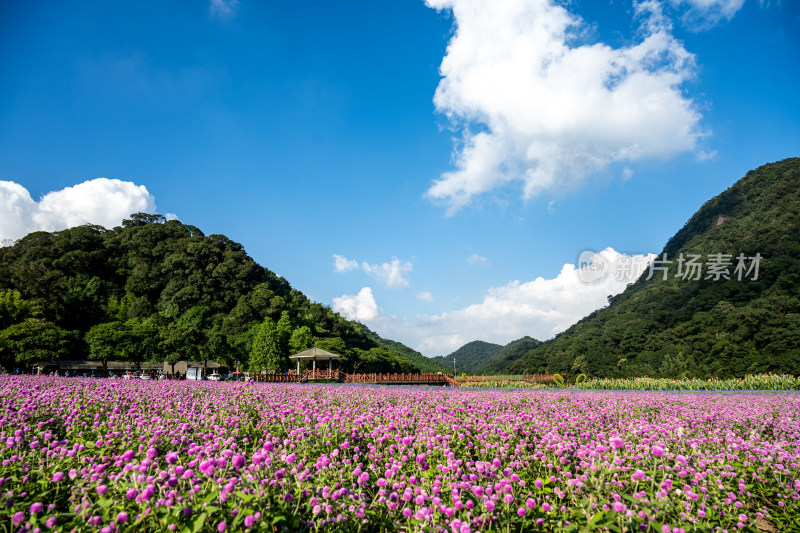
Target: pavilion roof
316, 354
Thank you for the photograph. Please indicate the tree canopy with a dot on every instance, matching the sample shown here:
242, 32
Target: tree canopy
159, 290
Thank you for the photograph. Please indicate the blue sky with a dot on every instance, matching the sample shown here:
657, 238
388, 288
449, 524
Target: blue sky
420, 188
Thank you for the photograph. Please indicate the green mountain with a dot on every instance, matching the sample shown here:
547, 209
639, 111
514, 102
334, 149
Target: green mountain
503, 358
470, 357
156, 290
425, 364
729, 322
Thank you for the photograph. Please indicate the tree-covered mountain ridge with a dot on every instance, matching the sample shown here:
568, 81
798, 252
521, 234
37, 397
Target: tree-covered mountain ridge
731, 321
155, 290
470, 357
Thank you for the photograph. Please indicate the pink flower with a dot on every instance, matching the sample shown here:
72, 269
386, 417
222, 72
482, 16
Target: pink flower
658, 452
222, 526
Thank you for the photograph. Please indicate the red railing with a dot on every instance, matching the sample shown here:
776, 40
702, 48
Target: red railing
426, 379
323, 373
532, 378
274, 377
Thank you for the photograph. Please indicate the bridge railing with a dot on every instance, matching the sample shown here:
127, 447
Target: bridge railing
275, 377
532, 378
394, 377
323, 373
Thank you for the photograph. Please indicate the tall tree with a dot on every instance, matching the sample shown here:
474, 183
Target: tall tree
265, 353
106, 342
13, 309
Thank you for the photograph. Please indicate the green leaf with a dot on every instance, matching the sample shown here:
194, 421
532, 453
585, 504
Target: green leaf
195, 524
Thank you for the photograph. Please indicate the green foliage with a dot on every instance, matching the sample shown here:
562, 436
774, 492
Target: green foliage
702, 328
750, 382
106, 342
471, 357
558, 379
13, 309
171, 292
509, 353
35, 340
301, 339
266, 353
426, 365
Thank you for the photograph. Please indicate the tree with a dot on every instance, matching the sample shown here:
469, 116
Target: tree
265, 353
13, 309
140, 341
105, 342
36, 340
301, 339
179, 342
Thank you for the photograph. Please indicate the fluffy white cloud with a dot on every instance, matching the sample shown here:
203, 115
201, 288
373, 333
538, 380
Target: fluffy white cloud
99, 201
391, 274
343, 264
540, 308
425, 296
535, 106
360, 307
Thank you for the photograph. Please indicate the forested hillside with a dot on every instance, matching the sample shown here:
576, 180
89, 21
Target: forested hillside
158, 290
470, 357
726, 320
514, 350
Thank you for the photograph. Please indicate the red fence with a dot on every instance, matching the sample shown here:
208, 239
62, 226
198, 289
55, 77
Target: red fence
395, 378
532, 378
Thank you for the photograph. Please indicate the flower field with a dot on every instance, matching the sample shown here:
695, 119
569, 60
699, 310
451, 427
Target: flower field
750, 382
105, 455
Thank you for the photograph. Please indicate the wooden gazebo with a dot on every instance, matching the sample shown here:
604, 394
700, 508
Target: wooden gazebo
315, 354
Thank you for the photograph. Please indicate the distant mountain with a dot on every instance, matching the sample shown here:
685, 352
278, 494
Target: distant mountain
470, 357
426, 365
511, 352
706, 322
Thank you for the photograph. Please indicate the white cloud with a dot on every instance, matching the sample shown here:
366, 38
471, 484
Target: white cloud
476, 259
536, 107
223, 9
391, 274
343, 264
99, 201
425, 296
703, 14
540, 308
360, 307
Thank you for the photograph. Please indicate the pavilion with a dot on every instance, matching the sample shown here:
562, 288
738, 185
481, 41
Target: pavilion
315, 354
